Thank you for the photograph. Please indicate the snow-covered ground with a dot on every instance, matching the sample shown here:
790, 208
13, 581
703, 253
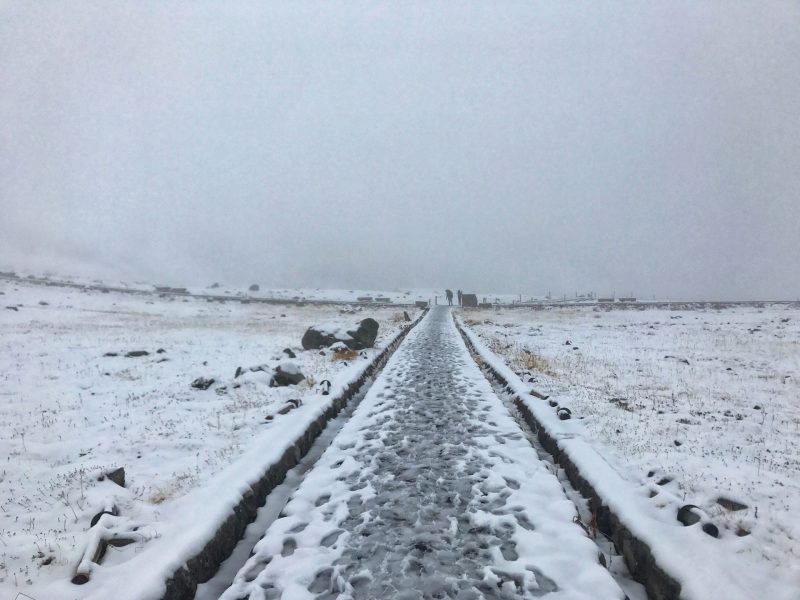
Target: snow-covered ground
707, 399
70, 411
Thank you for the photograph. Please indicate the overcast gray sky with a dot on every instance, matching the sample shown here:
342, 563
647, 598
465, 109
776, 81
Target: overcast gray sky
651, 147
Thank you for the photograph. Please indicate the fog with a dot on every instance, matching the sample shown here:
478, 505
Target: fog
518, 147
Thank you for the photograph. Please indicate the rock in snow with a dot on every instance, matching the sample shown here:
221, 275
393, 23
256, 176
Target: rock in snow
201, 383
286, 373
117, 476
689, 514
366, 334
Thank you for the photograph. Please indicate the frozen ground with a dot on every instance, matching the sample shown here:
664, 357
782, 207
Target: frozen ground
68, 412
429, 491
703, 402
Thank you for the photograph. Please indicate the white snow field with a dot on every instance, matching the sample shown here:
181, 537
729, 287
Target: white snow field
69, 413
430, 490
698, 405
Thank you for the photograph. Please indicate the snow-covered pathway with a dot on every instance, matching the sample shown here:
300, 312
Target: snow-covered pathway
429, 491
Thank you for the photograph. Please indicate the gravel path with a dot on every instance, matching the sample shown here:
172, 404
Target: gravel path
429, 491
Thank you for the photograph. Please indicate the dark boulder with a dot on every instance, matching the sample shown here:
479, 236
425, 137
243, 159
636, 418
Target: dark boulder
137, 353
201, 383
117, 476
286, 373
689, 514
254, 288
365, 335
96, 519
288, 352
319, 337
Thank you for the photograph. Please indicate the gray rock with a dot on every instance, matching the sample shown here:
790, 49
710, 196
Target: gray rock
254, 288
117, 476
315, 338
286, 373
731, 505
201, 383
137, 353
96, 518
365, 335
689, 514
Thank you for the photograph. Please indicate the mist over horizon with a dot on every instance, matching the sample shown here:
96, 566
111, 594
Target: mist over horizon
515, 148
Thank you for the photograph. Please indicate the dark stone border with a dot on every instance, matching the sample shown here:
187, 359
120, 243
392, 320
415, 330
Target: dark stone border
201, 567
659, 584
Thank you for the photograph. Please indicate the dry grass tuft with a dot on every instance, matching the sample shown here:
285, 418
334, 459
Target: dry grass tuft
344, 355
523, 359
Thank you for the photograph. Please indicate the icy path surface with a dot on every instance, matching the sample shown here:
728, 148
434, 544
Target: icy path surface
429, 491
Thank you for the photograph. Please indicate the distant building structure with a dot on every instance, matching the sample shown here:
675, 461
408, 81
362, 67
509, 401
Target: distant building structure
469, 300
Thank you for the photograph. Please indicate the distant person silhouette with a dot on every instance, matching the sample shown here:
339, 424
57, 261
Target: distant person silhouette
449, 294
460, 295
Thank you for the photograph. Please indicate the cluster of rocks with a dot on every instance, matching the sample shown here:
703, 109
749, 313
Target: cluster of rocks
324, 336
134, 353
319, 336
690, 514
